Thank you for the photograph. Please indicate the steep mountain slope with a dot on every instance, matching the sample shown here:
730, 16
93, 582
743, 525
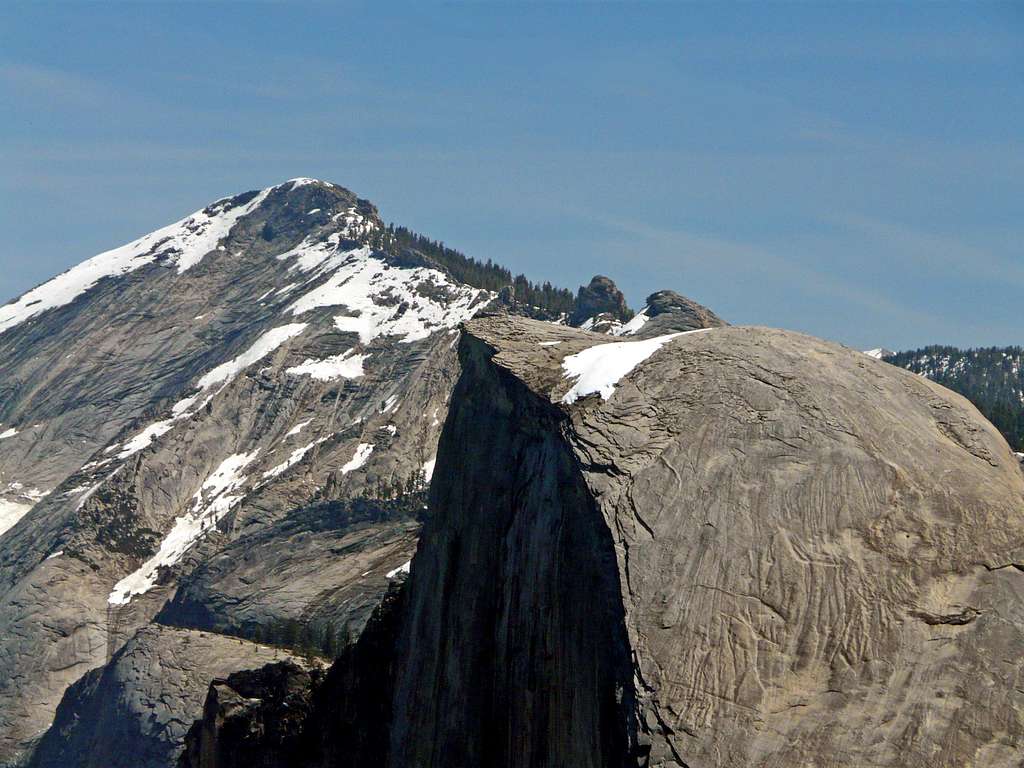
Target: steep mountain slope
992, 378
726, 548
219, 437
256, 373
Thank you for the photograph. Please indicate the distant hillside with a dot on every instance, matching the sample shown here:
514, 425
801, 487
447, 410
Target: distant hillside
991, 377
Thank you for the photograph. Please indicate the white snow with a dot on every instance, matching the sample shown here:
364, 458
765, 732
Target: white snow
404, 568
292, 460
390, 404
343, 366
183, 243
95, 487
145, 437
877, 353
10, 432
633, 325
310, 213
10, 513
599, 368
391, 429
210, 503
428, 469
381, 300
549, 343
58, 553
363, 451
297, 428
262, 347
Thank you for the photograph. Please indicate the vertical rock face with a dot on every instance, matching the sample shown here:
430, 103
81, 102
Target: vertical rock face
735, 547
514, 652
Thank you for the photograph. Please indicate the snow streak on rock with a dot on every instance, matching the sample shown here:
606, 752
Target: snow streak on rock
599, 368
343, 366
210, 503
10, 513
222, 374
360, 457
183, 243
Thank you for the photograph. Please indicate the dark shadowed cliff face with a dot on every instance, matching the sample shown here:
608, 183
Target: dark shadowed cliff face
514, 652
735, 547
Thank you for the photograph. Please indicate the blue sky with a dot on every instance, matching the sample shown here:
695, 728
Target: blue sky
853, 171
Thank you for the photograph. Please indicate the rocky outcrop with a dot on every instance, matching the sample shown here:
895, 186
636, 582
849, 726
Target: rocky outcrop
254, 718
668, 312
282, 715
135, 710
599, 303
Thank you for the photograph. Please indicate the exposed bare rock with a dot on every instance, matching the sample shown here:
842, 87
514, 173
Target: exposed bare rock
254, 718
325, 567
281, 715
135, 710
760, 549
248, 373
599, 302
667, 312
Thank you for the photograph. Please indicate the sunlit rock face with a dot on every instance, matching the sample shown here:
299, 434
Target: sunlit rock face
227, 425
742, 547
726, 546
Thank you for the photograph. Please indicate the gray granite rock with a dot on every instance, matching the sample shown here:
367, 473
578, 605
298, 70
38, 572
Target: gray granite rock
135, 710
248, 441
761, 549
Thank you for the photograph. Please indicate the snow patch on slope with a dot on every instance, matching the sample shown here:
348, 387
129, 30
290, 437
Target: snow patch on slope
879, 353
183, 243
210, 503
262, 347
382, 300
343, 366
222, 374
10, 513
633, 325
296, 456
363, 451
404, 568
297, 428
599, 368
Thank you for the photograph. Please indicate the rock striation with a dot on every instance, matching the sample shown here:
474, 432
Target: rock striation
227, 425
731, 547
